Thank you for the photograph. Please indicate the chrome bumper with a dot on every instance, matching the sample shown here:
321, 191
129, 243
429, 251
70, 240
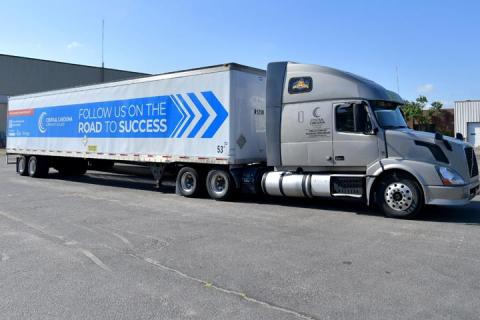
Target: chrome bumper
451, 196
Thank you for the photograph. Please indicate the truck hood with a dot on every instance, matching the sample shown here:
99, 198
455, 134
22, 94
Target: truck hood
413, 145
430, 137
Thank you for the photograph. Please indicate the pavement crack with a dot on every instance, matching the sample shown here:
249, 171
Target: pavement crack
116, 235
56, 239
218, 288
41, 230
95, 259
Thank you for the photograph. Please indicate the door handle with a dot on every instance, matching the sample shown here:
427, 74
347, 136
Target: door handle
339, 158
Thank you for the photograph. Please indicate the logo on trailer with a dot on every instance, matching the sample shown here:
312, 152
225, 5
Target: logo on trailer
41, 122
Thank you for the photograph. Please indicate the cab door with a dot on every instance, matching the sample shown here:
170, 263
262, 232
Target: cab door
355, 144
306, 134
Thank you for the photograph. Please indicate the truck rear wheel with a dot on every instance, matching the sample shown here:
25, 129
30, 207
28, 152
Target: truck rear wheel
23, 166
96, 164
188, 182
399, 196
220, 185
37, 167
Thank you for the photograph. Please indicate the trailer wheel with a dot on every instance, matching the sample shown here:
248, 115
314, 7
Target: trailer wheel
23, 166
100, 164
72, 167
399, 196
80, 167
220, 185
37, 167
188, 182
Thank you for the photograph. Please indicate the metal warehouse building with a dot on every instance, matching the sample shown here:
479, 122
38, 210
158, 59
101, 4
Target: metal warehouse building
467, 120
20, 75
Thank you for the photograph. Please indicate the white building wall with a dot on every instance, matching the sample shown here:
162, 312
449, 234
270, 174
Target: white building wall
465, 112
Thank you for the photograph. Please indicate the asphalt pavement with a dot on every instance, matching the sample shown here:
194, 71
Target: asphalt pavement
109, 246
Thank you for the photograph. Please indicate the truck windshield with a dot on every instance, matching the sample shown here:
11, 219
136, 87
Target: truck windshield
388, 115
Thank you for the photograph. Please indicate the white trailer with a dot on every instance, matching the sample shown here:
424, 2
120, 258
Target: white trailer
213, 115
208, 115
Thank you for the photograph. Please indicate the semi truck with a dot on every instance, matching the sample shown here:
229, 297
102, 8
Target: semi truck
294, 130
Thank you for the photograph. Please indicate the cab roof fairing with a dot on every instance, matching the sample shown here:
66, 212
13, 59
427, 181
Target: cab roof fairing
334, 84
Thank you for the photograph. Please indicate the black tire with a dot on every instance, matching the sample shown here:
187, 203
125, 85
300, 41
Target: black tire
80, 167
72, 167
38, 167
399, 196
220, 185
100, 164
23, 166
189, 182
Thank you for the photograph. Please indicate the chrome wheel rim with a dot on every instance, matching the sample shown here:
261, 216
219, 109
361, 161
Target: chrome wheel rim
219, 184
398, 196
188, 182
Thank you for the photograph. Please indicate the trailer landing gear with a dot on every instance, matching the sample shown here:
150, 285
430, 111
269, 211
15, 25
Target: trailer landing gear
157, 171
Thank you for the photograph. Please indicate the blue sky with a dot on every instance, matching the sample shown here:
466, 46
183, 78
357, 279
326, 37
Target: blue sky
435, 44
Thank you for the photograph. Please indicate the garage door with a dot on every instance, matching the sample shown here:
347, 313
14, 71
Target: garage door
473, 132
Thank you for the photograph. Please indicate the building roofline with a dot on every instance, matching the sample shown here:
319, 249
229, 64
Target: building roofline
70, 64
470, 100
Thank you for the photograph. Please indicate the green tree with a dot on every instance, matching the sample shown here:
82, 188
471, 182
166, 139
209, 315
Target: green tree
414, 111
435, 109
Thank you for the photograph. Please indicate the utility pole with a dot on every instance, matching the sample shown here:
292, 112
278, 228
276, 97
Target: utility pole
103, 61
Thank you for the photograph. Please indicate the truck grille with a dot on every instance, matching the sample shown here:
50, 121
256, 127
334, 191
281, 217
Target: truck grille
472, 162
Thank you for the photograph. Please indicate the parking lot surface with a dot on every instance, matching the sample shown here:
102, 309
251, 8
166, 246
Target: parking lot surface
109, 246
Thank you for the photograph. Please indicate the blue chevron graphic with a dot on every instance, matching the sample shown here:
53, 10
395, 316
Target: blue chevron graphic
179, 108
222, 114
203, 112
191, 115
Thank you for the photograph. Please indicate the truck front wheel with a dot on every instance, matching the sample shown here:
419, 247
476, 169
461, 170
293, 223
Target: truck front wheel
188, 182
220, 185
399, 196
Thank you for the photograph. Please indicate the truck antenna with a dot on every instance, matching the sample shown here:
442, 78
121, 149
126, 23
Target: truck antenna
103, 61
398, 80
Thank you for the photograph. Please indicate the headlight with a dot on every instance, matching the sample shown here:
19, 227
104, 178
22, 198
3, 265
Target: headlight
449, 176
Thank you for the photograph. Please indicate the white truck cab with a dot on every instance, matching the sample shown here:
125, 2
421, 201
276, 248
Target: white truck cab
333, 133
